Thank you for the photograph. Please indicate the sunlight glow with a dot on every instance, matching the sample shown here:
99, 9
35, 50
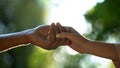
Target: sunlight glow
71, 51
104, 62
71, 13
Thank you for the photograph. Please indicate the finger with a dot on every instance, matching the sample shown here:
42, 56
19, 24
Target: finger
65, 35
55, 28
68, 42
61, 28
57, 40
51, 33
65, 41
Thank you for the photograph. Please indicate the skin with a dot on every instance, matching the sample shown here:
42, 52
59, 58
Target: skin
83, 45
45, 37
42, 36
37, 36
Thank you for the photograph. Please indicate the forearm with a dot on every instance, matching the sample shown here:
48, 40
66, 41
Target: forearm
106, 50
12, 40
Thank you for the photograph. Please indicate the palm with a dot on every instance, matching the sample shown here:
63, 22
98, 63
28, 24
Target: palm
44, 36
38, 36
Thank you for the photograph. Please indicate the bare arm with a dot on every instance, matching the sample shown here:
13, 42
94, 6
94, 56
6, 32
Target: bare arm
83, 45
102, 49
37, 36
12, 40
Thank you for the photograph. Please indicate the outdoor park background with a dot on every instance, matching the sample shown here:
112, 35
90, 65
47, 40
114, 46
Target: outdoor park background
95, 19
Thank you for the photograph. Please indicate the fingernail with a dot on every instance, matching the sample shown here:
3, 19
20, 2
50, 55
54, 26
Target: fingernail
57, 35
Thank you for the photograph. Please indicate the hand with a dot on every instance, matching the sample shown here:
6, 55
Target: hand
77, 41
56, 30
39, 36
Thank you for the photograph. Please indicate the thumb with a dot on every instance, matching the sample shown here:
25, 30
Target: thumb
65, 35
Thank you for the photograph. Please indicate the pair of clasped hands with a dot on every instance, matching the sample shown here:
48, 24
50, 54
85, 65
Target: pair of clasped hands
45, 36
54, 36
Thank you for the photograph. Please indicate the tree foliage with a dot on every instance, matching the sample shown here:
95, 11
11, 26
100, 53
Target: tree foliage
104, 18
17, 15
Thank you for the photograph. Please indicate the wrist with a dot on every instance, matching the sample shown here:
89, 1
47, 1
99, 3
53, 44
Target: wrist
26, 35
86, 46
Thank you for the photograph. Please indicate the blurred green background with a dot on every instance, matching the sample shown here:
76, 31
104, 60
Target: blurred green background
17, 15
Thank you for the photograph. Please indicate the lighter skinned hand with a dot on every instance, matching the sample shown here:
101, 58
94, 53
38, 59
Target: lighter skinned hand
76, 39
